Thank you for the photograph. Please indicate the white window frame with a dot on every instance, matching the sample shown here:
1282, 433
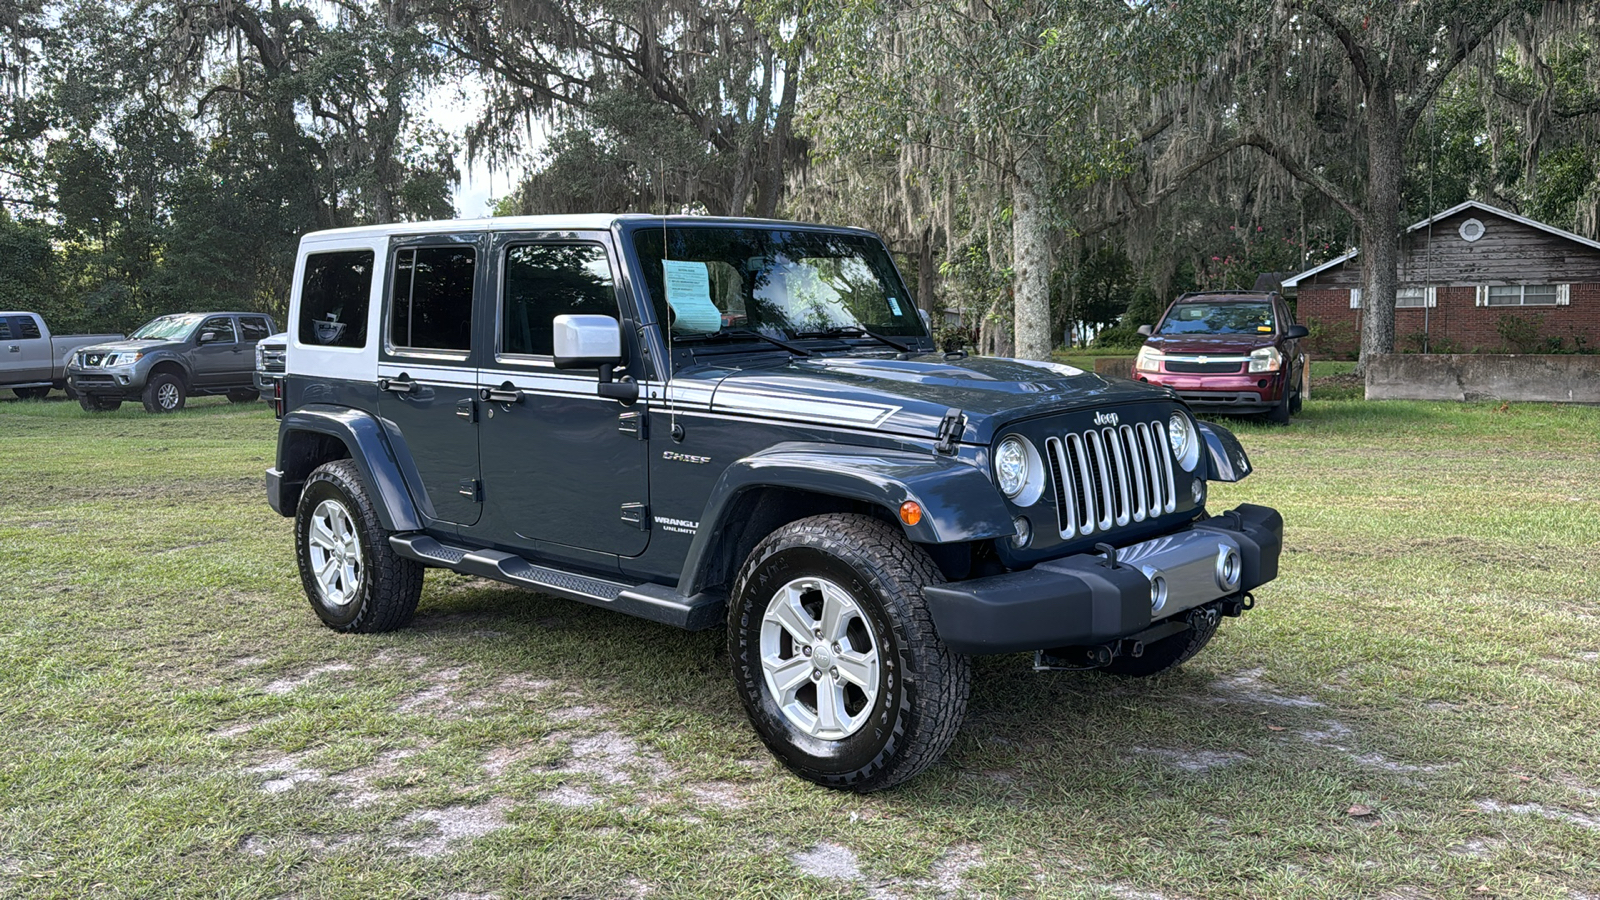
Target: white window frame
1563, 295
1424, 297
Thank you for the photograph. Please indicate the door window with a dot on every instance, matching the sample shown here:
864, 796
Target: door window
5, 329
254, 328
542, 281
430, 302
29, 329
221, 326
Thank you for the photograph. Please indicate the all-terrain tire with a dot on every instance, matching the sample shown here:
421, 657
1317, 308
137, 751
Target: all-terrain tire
91, 403
164, 393
244, 395
31, 393
380, 592
920, 688
1167, 653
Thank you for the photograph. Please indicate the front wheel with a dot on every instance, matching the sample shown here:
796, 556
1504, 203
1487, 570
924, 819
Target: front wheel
164, 394
353, 578
835, 655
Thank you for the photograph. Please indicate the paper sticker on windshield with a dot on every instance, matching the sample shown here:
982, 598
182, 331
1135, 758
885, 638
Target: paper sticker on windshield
894, 307
689, 295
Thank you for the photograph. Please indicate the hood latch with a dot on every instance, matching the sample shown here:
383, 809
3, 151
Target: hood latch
950, 429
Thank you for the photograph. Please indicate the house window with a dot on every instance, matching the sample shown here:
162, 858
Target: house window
1410, 298
1522, 294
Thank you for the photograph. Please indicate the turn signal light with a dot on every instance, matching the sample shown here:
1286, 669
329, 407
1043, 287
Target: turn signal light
911, 512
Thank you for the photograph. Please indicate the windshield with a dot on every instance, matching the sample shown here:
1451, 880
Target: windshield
166, 328
1218, 318
783, 284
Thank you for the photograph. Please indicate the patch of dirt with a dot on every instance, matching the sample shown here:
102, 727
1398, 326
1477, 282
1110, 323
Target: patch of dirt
1538, 809
827, 860
455, 824
574, 713
1125, 892
445, 697
721, 794
498, 760
613, 758
1577, 786
570, 797
256, 845
1332, 735
1246, 687
1193, 760
435, 698
288, 771
359, 781
285, 685
1476, 848
233, 731
1590, 656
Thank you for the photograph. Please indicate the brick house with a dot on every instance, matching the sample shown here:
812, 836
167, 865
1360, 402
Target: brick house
1462, 272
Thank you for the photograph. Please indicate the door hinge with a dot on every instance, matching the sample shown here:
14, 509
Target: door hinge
634, 423
637, 515
472, 489
467, 409
950, 428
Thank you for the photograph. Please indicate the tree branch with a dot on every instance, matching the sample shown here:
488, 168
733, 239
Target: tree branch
1412, 109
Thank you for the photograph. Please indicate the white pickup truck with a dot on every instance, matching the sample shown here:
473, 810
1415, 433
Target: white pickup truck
32, 360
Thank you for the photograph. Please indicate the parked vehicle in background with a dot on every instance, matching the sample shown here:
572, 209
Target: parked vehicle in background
171, 358
270, 355
1227, 351
32, 360
744, 422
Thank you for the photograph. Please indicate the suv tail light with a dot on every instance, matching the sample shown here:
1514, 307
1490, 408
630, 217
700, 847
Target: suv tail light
277, 399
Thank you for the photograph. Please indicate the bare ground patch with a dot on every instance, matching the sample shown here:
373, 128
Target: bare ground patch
1247, 687
284, 686
456, 823
1539, 809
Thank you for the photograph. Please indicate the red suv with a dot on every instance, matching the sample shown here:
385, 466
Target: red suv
1227, 351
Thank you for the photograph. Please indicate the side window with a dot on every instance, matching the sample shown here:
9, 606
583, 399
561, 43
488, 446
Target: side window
430, 303
28, 327
334, 296
221, 326
543, 281
253, 328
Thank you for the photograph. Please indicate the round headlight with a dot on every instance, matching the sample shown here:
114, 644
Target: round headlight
1185, 441
1011, 466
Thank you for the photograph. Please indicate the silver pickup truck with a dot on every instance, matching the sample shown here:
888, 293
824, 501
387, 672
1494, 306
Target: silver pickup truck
32, 360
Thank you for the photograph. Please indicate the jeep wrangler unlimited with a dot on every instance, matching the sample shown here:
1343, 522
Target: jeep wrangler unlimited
702, 421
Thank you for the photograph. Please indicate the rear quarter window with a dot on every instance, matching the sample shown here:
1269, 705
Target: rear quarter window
253, 328
30, 328
5, 329
335, 294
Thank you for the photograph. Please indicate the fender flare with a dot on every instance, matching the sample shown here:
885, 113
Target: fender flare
959, 502
1227, 460
362, 434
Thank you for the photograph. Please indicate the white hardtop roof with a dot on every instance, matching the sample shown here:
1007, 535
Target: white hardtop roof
574, 222
1470, 204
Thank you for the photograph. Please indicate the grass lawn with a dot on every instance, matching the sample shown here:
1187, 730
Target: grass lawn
1412, 710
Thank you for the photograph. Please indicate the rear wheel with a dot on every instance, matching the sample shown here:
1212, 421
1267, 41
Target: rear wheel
835, 654
353, 578
164, 394
91, 403
31, 393
244, 395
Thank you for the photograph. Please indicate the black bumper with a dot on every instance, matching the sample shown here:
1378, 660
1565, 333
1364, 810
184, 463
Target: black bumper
1080, 600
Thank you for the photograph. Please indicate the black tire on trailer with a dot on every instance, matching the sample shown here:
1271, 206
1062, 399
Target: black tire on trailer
164, 393
353, 578
835, 655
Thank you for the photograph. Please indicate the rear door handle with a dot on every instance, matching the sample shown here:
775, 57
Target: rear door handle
505, 393
401, 385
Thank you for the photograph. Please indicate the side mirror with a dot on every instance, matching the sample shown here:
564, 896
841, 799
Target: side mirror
593, 342
1145, 330
1297, 331
207, 337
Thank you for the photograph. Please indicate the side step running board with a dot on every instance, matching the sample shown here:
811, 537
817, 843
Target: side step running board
647, 601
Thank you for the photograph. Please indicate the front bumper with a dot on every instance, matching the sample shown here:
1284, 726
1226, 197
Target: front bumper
1241, 392
265, 381
114, 381
1084, 599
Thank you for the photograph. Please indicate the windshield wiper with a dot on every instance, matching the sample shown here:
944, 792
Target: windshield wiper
730, 333
857, 331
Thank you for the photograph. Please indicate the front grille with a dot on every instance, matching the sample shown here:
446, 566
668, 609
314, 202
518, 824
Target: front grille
96, 379
94, 359
272, 359
1108, 477
1226, 367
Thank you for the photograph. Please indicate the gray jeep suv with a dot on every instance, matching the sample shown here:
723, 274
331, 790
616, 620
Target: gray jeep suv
171, 358
721, 421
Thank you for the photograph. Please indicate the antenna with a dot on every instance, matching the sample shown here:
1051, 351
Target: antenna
1427, 262
666, 252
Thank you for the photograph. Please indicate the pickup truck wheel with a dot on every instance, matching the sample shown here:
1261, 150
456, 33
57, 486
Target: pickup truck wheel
353, 578
835, 655
244, 395
31, 393
1167, 653
164, 394
91, 403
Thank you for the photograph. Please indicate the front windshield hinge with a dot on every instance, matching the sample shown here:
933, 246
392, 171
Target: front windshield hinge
950, 428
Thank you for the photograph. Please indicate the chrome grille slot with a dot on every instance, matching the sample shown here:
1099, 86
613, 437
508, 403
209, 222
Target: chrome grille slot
1113, 476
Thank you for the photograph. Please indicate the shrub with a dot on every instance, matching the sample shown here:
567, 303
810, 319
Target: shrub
1332, 340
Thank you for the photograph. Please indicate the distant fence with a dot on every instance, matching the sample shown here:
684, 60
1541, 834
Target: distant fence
1460, 376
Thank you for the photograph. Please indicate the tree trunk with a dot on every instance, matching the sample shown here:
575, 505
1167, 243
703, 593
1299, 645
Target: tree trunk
770, 188
925, 272
1030, 256
1380, 223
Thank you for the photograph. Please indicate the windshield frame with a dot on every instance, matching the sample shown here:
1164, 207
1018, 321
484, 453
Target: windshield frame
728, 340
1265, 305
190, 319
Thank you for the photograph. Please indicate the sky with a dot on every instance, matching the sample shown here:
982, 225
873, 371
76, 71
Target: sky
453, 108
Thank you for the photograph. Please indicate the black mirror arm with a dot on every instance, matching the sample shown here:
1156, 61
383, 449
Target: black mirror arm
625, 391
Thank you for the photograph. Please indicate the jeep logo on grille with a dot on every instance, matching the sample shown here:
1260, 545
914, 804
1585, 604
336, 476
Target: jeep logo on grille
1105, 418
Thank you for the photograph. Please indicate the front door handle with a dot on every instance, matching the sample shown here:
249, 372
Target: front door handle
505, 393
15, 349
401, 385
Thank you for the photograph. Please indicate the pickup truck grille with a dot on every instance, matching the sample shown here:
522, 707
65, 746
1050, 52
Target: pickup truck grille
93, 359
272, 359
1108, 477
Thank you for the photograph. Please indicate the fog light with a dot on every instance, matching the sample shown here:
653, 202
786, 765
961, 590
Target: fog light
1158, 593
1198, 489
1024, 532
1228, 568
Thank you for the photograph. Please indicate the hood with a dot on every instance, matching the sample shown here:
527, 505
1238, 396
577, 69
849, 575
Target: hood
1231, 344
911, 396
121, 346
